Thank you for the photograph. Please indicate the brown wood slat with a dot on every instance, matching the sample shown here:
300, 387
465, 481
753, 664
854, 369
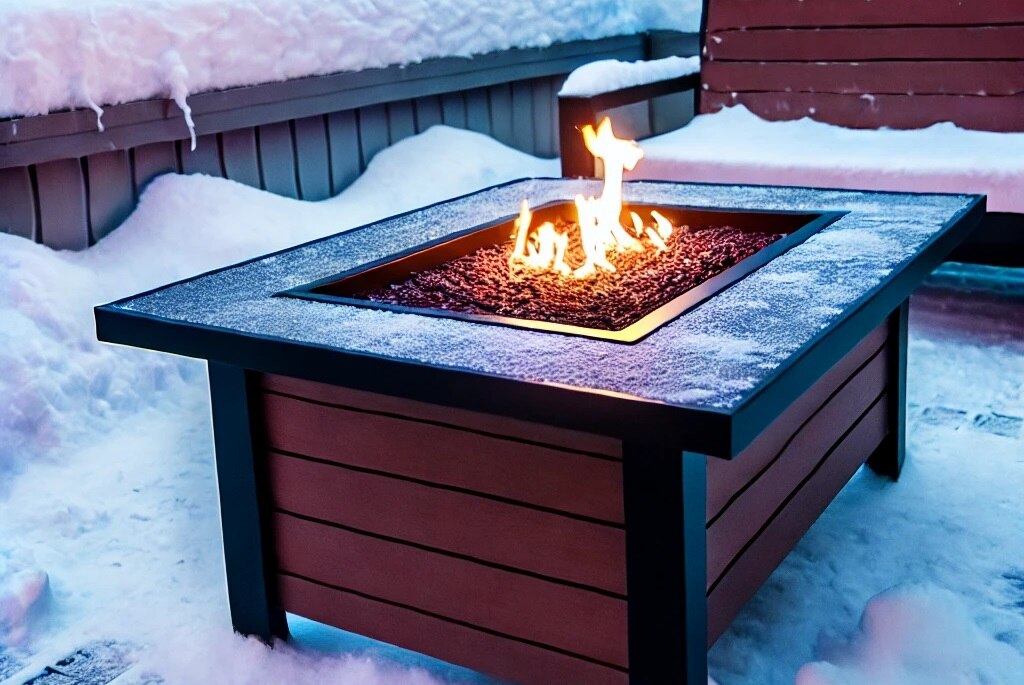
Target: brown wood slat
780, 536
739, 522
846, 44
502, 657
241, 159
993, 113
343, 141
486, 423
537, 475
726, 478
17, 202
152, 160
925, 78
725, 14
111, 196
578, 621
205, 159
547, 544
277, 159
312, 158
63, 206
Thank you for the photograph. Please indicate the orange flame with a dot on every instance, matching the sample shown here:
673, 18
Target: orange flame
597, 218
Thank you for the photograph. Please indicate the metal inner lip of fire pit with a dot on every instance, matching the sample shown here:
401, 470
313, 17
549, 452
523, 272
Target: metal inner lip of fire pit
345, 287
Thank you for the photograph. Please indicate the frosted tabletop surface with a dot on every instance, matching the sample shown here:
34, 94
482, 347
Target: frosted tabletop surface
710, 358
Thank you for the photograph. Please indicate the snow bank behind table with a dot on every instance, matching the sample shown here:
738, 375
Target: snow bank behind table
58, 385
56, 54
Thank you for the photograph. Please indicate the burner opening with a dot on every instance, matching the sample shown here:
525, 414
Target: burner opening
469, 275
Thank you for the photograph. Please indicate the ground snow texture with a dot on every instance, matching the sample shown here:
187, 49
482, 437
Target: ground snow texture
109, 519
56, 54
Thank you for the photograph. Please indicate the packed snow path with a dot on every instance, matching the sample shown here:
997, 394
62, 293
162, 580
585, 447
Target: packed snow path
108, 513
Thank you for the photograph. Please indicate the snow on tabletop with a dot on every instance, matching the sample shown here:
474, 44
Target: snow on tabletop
108, 487
709, 358
607, 75
57, 54
736, 146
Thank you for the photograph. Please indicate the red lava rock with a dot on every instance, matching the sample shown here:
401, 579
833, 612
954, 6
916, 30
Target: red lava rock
481, 282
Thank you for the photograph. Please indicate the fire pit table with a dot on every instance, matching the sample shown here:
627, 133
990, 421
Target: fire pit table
548, 501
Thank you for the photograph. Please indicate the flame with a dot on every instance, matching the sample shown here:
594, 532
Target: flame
597, 218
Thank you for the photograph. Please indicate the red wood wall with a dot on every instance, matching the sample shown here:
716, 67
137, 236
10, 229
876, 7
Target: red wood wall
869, 63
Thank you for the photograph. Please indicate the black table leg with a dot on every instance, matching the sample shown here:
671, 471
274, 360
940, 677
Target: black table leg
240, 480
666, 565
888, 458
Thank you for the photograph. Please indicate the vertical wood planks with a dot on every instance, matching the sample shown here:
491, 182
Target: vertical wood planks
63, 212
478, 111
501, 112
17, 203
428, 112
205, 159
241, 161
111, 193
152, 160
343, 144
312, 159
401, 120
277, 159
373, 131
453, 110
522, 116
543, 133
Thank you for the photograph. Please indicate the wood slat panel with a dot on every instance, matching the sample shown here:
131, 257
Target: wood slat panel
277, 159
726, 478
346, 159
312, 158
453, 110
241, 159
501, 112
541, 476
779, 537
458, 418
63, 210
522, 116
550, 545
17, 202
853, 44
739, 522
502, 657
478, 111
428, 112
774, 13
631, 121
373, 131
205, 159
925, 78
111, 195
543, 114
991, 113
150, 161
401, 120
575, 620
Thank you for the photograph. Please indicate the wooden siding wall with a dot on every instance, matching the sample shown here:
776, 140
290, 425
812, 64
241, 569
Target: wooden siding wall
905, 64
72, 203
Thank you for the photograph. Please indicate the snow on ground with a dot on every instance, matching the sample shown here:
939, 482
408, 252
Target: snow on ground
606, 75
109, 519
736, 146
56, 54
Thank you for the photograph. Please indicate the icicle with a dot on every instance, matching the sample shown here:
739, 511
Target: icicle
177, 76
82, 91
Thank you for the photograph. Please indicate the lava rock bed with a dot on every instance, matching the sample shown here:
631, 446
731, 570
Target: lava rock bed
482, 283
